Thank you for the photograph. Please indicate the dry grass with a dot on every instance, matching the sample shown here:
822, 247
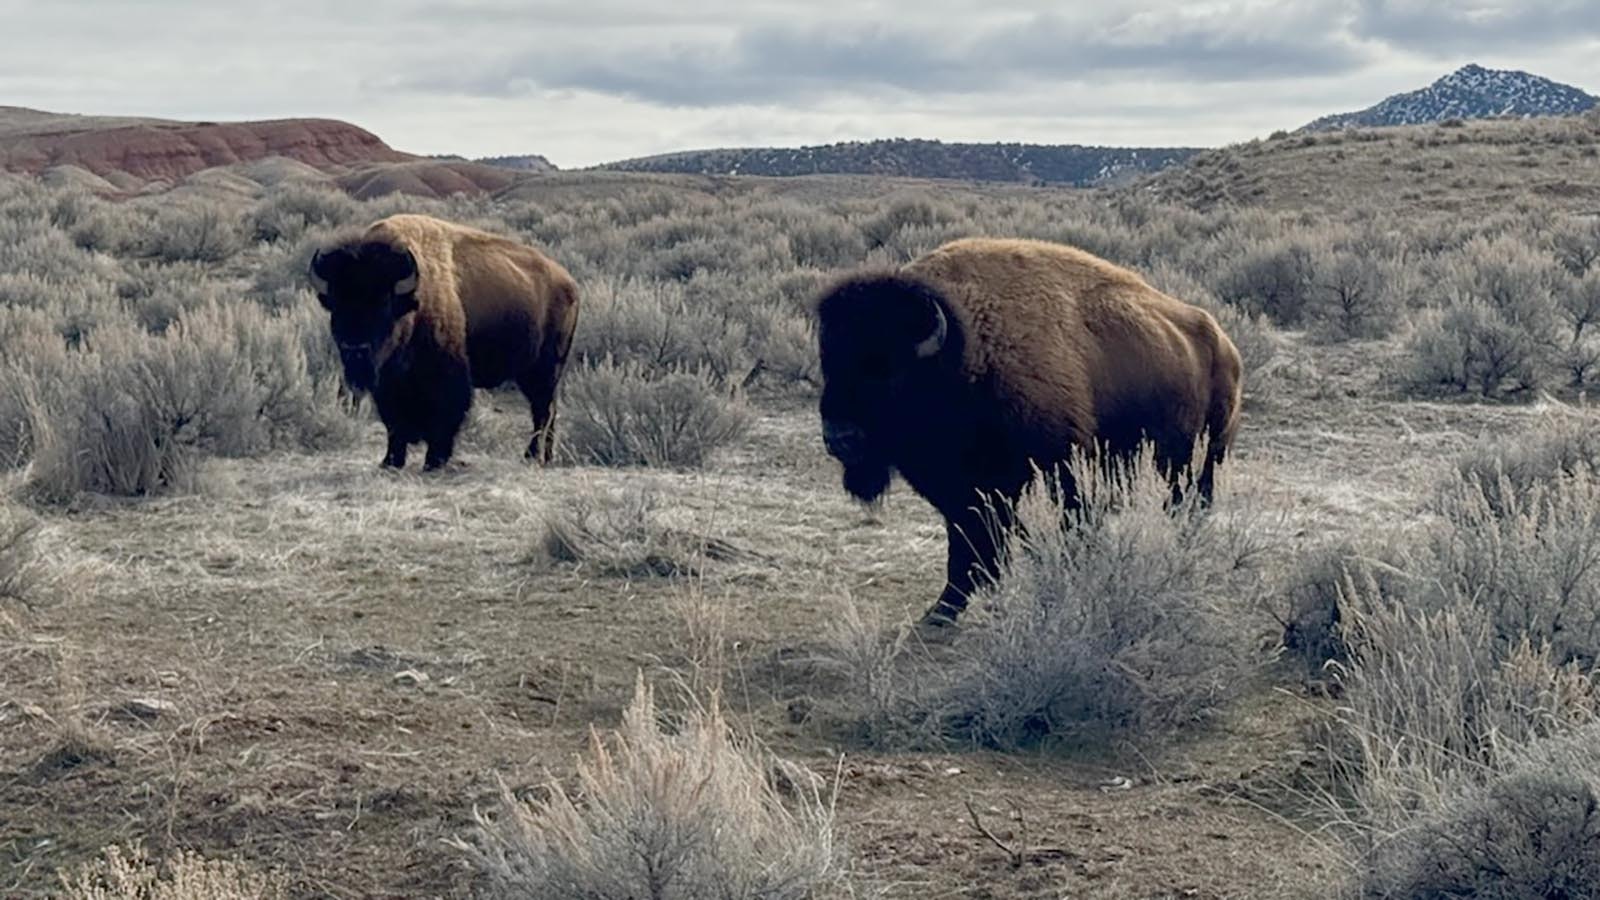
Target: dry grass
131, 875
629, 533
20, 568
1436, 739
349, 662
1529, 831
681, 814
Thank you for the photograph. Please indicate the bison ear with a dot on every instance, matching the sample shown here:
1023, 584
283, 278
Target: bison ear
934, 341
321, 271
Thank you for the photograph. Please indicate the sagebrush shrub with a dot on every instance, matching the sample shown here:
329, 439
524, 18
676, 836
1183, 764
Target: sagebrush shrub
883, 227
196, 232
1529, 557
1436, 697
49, 255
1273, 277
158, 296
1350, 296
292, 210
1532, 832
823, 242
1561, 442
130, 874
1116, 615
1310, 605
1579, 302
1499, 330
133, 414
623, 414
1456, 756
657, 328
682, 813
1576, 243
1472, 346
118, 229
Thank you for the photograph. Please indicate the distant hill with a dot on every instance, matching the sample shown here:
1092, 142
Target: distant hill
144, 150
1471, 168
1471, 92
1054, 164
124, 156
530, 162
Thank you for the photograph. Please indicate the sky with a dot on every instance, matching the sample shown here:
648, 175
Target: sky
600, 80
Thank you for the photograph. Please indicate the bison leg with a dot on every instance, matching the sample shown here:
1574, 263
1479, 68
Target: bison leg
973, 561
540, 389
447, 412
395, 457
442, 443
439, 452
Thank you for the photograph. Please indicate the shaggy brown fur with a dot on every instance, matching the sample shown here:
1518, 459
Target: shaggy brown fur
425, 310
967, 367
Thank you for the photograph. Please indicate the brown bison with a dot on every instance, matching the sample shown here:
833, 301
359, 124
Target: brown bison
967, 367
425, 310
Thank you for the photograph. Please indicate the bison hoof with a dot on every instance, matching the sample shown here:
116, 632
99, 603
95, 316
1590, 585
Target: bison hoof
938, 621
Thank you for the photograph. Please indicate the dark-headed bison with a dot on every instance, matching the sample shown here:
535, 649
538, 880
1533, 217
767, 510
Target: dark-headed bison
967, 367
425, 310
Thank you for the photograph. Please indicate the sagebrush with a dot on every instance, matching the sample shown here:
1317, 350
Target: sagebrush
690, 812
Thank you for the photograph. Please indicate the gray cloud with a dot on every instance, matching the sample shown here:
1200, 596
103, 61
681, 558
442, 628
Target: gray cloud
1449, 28
784, 64
603, 79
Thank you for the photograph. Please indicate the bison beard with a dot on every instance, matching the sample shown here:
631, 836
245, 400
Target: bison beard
867, 480
1067, 350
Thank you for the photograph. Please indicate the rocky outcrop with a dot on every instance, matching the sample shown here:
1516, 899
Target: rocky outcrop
151, 150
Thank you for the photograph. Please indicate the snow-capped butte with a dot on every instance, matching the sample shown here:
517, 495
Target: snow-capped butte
1471, 92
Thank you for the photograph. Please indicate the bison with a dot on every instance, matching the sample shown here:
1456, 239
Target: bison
967, 368
424, 310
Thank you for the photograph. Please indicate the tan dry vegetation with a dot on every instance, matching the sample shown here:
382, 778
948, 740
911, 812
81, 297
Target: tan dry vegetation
341, 662
318, 669
1481, 166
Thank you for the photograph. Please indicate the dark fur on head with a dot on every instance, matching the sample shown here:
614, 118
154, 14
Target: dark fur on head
884, 337
366, 286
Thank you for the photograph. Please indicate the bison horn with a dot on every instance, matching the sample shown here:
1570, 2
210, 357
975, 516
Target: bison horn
408, 274
934, 341
318, 283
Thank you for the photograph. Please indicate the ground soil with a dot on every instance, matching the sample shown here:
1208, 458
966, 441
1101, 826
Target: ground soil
316, 666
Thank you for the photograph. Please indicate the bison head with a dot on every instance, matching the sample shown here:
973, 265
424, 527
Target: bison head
880, 337
366, 289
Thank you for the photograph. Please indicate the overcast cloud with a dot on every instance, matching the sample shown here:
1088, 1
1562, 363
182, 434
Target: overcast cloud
605, 79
